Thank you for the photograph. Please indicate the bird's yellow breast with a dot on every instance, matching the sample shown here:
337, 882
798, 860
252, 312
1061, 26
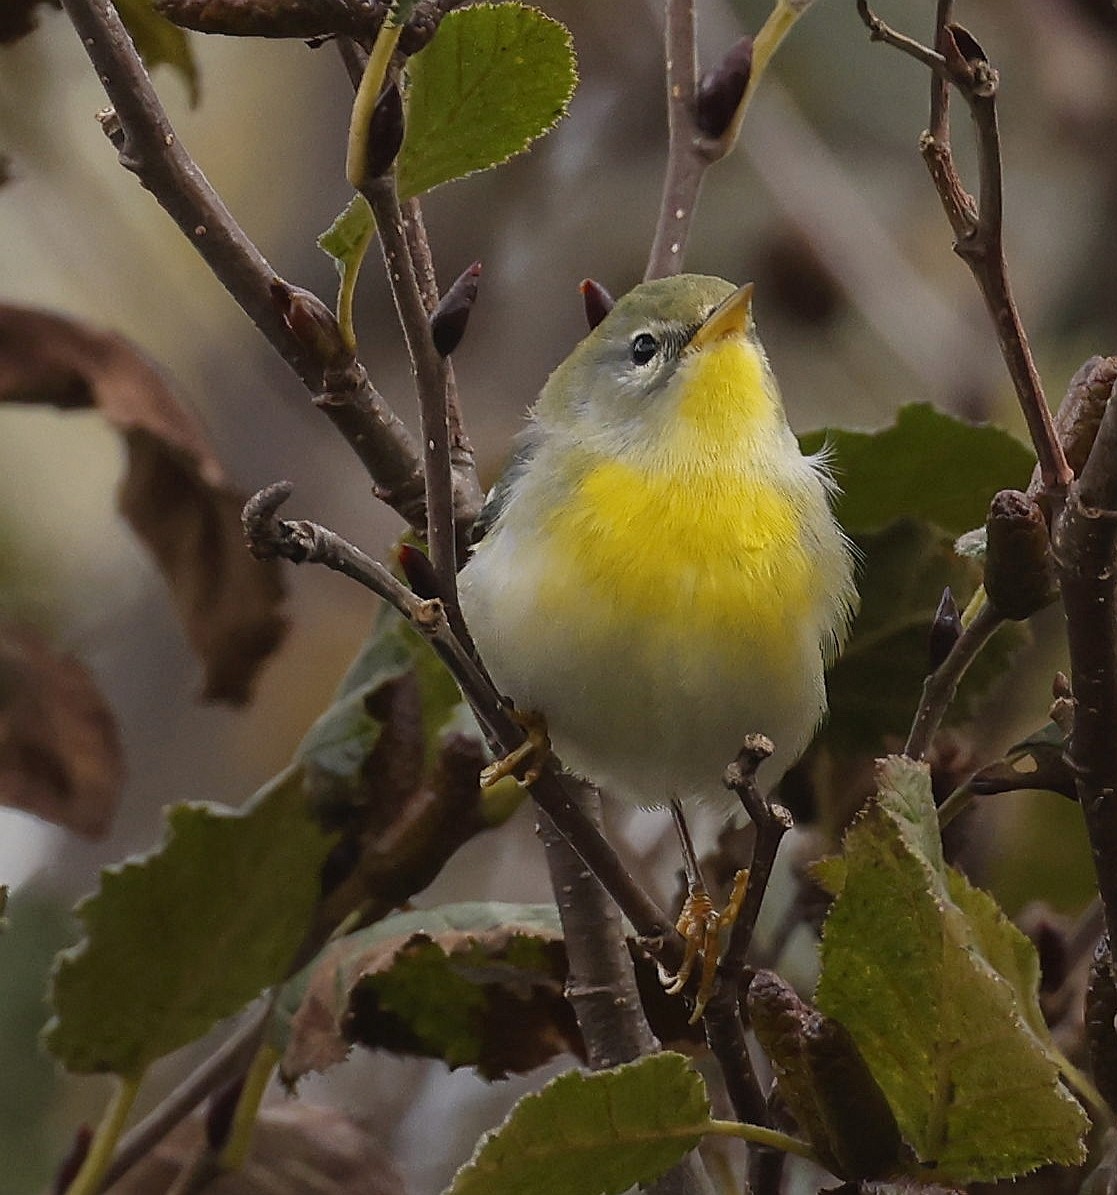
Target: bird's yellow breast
695, 538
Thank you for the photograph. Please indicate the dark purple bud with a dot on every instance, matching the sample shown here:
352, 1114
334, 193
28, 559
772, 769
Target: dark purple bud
385, 132
74, 1159
721, 90
1019, 568
946, 628
311, 322
419, 572
450, 317
599, 302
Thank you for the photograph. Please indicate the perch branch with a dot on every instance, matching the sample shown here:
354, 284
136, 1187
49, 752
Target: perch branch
303, 542
960, 62
149, 147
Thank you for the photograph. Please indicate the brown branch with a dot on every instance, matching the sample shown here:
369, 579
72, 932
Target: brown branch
303, 542
431, 383
149, 147
601, 981
725, 1030
1085, 542
959, 61
468, 495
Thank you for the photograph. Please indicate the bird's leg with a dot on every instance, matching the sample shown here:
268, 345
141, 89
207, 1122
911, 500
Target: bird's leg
533, 751
699, 922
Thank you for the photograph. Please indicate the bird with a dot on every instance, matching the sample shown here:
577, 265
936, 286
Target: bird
659, 572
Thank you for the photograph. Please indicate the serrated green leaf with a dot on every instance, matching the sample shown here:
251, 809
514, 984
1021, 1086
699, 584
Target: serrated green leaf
936, 994
874, 687
596, 1134
181, 938
158, 40
927, 465
493, 79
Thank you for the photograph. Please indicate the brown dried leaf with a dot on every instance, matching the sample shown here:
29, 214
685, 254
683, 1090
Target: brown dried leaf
60, 755
490, 997
175, 493
296, 1148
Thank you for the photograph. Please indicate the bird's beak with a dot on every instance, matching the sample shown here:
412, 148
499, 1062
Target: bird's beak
730, 318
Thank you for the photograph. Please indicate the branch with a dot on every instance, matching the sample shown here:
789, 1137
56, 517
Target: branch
227, 1062
431, 382
1085, 543
601, 981
725, 1030
959, 61
149, 147
303, 542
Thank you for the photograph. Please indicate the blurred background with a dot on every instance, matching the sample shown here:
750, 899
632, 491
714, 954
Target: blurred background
861, 303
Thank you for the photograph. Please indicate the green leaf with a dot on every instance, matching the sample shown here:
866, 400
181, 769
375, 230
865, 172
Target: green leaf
493, 79
874, 687
596, 1134
181, 938
476, 984
936, 989
927, 465
347, 237
158, 40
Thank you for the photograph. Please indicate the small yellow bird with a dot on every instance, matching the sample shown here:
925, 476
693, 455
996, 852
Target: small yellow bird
660, 572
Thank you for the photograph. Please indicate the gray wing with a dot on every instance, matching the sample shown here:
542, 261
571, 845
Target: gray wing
496, 500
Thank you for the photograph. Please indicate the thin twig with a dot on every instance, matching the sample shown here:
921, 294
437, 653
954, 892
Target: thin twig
725, 1030
468, 495
686, 164
431, 382
150, 148
228, 1060
303, 542
959, 61
941, 685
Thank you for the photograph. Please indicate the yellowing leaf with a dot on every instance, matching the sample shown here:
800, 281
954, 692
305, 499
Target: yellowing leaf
936, 990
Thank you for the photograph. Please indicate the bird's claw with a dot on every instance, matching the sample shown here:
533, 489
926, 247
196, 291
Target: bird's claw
700, 925
533, 751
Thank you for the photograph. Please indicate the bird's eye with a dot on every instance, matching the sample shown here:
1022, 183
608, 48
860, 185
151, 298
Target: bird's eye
644, 348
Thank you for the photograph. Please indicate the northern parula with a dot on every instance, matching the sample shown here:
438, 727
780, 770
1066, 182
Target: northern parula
660, 572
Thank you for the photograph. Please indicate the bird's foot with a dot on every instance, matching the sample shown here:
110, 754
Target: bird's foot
700, 925
533, 752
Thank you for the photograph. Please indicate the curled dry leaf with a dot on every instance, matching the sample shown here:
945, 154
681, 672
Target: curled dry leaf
467, 989
60, 755
174, 494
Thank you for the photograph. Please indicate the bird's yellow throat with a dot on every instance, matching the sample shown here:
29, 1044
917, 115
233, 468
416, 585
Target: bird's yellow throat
696, 534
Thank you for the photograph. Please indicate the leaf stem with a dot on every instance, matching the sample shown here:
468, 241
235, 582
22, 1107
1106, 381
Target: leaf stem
356, 150
87, 1181
236, 1150
758, 1134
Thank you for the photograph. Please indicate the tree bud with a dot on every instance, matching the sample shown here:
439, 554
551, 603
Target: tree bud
1019, 570
598, 301
385, 132
450, 318
946, 628
721, 90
